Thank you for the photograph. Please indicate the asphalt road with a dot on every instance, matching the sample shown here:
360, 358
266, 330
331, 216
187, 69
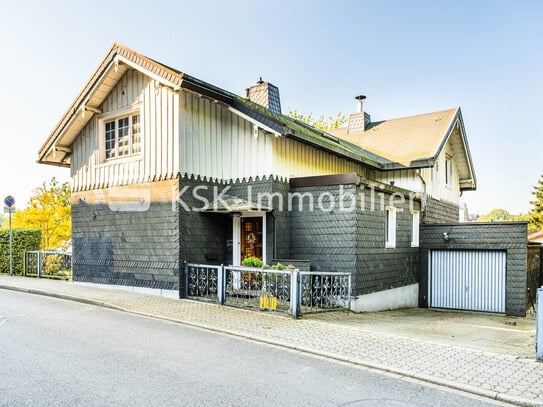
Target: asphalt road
56, 352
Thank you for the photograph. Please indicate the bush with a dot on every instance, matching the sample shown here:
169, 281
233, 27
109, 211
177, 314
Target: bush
252, 262
23, 240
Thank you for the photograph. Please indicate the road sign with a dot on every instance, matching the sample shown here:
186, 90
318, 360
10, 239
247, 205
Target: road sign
9, 201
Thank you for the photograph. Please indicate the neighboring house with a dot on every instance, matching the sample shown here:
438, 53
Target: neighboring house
146, 144
536, 237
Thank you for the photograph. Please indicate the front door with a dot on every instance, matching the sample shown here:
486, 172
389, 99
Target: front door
251, 238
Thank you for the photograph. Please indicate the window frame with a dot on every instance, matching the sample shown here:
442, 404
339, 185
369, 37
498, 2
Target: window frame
390, 227
116, 116
448, 171
415, 228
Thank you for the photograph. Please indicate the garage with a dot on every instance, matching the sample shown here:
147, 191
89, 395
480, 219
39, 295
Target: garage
472, 280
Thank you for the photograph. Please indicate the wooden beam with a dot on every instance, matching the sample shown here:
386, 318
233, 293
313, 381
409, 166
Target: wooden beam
92, 109
64, 149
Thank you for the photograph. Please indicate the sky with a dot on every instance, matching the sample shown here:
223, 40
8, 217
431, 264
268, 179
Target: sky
407, 57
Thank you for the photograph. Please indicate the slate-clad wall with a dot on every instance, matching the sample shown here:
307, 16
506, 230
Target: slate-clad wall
354, 241
282, 221
203, 235
380, 268
327, 239
112, 245
511, 236
440, 211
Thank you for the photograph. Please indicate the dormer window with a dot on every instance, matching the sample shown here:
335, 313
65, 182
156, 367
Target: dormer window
122, 136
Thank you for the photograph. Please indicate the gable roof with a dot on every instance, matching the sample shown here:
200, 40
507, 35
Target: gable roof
396, 153
56, 149
416, 141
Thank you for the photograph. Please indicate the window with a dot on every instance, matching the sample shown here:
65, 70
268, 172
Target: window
448, 171
390, 227
415, 222
122, 136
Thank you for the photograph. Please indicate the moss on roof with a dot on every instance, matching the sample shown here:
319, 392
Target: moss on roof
310, 134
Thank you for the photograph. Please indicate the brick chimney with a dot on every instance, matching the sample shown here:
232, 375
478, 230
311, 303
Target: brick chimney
265, 94
359, 120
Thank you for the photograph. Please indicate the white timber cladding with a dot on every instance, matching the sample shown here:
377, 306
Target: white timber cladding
212, 142
294, 159
434, 178
158, 107
407, 179
219, 144
437, 178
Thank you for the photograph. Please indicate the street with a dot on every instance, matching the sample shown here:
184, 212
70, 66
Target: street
57, 352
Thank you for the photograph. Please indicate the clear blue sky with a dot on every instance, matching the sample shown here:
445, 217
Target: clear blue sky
408, 57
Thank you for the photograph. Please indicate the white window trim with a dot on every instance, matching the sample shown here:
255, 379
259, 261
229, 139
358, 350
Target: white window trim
415, 228
390, 225
114, 114
448, 171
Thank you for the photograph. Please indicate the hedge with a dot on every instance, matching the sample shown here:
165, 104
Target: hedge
23, 240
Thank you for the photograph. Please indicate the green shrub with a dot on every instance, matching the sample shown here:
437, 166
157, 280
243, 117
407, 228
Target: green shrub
23, 240
252, 262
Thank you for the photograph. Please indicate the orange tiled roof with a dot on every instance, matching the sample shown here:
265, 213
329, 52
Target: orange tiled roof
403, 140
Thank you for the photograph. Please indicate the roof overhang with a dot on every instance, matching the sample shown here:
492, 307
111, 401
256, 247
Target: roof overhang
468, 182
234, 204
57, 148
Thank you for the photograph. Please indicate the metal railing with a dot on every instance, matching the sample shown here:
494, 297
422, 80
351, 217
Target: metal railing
321, 291
289, 291
258, 288
48, 264
202, 281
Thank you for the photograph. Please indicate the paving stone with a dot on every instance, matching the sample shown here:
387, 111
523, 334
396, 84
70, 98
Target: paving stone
484, 372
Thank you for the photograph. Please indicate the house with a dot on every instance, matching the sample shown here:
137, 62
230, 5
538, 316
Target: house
536, 237
168, 168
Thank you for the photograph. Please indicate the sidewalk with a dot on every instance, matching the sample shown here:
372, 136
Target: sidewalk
501, 377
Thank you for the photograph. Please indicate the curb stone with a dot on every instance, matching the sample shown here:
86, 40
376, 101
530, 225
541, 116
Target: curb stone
520, 401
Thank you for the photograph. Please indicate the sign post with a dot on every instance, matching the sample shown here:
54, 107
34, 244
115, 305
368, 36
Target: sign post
9, 201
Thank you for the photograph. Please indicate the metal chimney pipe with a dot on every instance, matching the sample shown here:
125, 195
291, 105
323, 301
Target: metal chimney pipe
360, 104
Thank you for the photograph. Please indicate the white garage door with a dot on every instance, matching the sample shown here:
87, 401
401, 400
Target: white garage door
468, 280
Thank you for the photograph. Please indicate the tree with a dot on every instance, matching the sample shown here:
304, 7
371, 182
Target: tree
535, 216
49, 211
495, 215
322, 123
501, 215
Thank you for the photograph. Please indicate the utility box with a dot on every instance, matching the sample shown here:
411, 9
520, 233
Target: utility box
539, 332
